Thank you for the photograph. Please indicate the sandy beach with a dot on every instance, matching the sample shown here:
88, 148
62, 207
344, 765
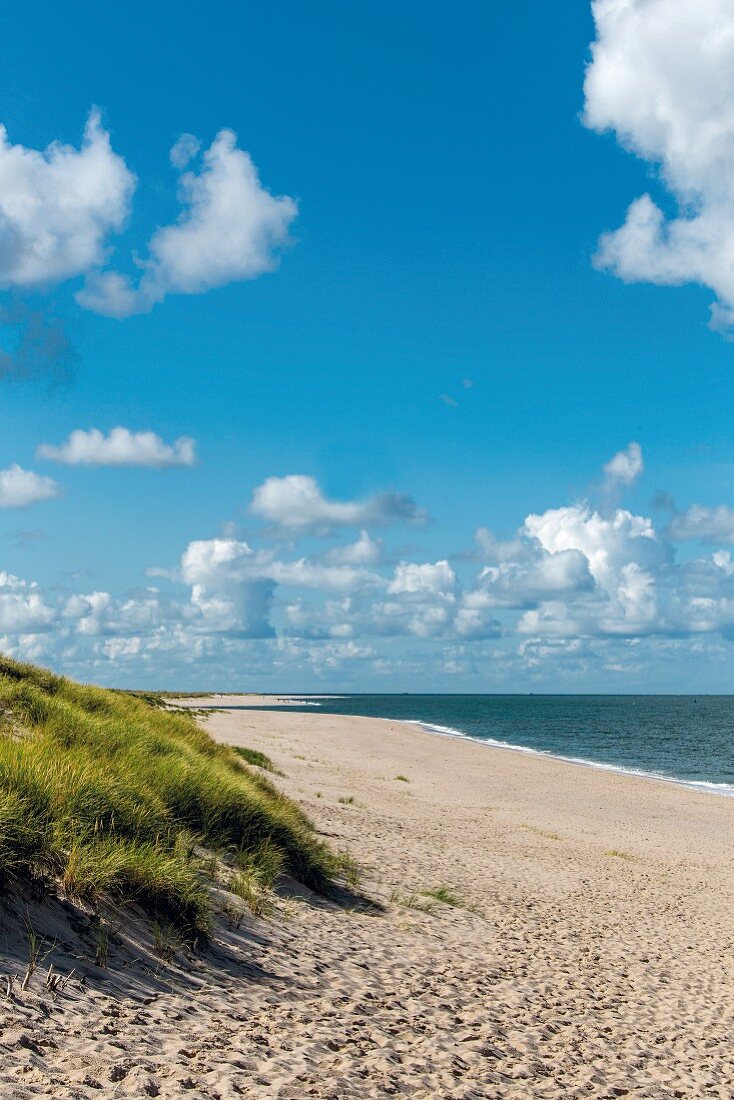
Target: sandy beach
589, 951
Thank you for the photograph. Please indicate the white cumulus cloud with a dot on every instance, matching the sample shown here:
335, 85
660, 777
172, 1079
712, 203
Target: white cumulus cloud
607, 542
231, 590
58, 207
365, 551
530, 580
421, 599
625, 558
430, 578
19, 488
230, 228
120, 447
313, 574
662, 79
23, 608
624, 468
297, 503
61, 207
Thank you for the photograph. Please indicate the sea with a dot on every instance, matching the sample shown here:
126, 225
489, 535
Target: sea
682, 739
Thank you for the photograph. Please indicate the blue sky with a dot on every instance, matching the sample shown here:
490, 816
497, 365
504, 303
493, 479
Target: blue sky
433, 351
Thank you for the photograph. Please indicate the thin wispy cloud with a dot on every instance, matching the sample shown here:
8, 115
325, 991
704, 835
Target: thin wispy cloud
183, 150
24, 539
35, 345
450, 400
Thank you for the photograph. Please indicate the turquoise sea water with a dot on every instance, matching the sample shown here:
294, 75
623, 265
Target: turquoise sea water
689, 739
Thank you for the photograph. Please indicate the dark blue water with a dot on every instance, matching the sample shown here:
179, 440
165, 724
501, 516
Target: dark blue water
687, 738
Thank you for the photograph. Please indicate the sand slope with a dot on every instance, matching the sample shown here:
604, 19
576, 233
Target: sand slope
597, 958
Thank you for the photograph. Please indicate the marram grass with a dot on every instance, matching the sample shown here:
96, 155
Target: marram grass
110, 797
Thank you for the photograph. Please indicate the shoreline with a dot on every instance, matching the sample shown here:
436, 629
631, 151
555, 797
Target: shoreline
521, 782
723, 790
270, 703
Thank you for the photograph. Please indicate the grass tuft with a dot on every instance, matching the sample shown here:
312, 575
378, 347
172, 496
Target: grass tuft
258, 759
548, 834
621, 855
347, 868
445, 896
413, 900
426, 900
256, 895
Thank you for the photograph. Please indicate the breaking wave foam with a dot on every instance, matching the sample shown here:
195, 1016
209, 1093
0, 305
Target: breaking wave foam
723, 789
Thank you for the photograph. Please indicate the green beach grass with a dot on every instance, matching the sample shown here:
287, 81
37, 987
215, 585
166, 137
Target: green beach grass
109, 798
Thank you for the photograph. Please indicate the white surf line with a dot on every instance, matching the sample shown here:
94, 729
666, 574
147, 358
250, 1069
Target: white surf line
725, 790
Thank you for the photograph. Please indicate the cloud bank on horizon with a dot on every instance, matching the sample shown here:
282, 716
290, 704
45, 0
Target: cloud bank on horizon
60, 209
670, 103
578, 587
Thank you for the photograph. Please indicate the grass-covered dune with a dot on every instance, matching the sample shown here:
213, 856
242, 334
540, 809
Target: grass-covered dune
107, 797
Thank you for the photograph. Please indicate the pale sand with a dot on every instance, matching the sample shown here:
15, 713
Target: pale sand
582, 973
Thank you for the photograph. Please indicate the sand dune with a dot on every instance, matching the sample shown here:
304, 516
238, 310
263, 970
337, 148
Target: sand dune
591, 954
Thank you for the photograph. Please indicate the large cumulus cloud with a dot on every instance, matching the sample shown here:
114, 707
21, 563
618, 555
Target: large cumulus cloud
662, 79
